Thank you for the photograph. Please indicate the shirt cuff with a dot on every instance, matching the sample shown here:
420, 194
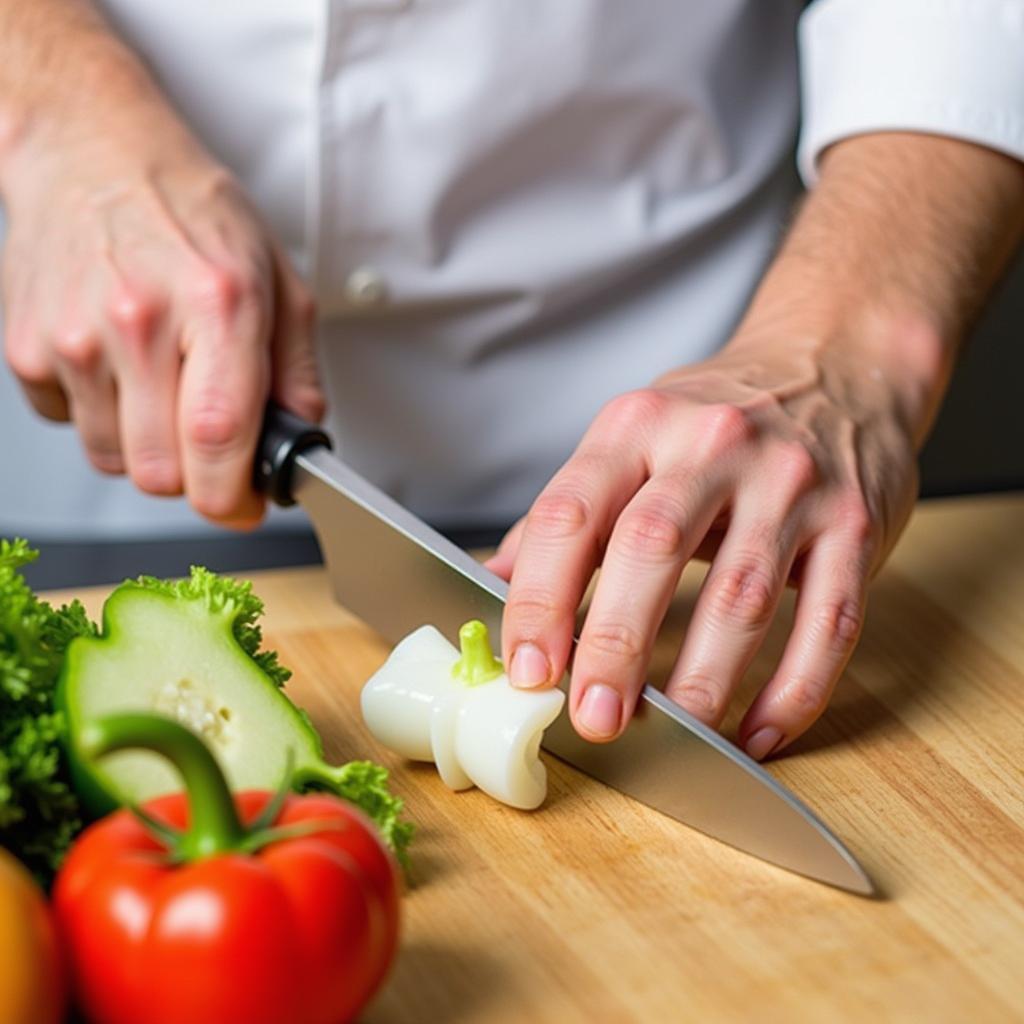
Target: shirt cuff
954, 68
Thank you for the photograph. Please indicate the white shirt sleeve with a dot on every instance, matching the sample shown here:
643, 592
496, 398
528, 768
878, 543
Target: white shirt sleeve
948, 67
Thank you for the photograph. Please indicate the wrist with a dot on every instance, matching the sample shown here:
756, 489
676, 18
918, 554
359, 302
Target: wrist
896, 351
888, 263
103, 99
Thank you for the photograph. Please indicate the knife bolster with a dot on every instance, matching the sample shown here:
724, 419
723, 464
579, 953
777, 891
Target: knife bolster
283, 436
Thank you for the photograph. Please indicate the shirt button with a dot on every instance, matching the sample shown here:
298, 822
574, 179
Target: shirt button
366, 287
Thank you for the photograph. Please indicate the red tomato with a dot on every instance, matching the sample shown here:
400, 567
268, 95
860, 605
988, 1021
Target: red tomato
300, 932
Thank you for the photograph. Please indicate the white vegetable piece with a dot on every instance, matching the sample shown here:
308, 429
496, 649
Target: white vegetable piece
431, 702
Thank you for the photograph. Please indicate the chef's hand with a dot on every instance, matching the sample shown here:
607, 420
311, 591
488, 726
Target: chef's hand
782, 463
789, 457
143, 297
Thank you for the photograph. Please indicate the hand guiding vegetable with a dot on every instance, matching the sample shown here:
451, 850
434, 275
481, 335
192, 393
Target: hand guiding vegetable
264, 909
773, 470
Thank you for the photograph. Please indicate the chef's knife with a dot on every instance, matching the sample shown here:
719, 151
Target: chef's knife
397, 573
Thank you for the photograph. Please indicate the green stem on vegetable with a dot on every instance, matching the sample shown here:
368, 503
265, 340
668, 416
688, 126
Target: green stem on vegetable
214, 825
477, 664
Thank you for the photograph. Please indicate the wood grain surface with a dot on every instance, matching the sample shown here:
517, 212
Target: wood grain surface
598, 909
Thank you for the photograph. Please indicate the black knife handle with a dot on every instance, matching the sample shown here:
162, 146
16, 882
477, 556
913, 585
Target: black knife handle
284, 435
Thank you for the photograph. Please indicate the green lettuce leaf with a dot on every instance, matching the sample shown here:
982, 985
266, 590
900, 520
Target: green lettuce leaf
39, 811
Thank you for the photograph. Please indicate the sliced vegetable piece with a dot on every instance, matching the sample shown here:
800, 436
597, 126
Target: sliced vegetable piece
432, 702
190, 650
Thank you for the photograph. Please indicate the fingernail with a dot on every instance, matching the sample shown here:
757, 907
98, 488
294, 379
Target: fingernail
763, 742
529, 666
600, 710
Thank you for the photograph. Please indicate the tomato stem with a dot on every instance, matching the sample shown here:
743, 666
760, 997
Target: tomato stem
214, 826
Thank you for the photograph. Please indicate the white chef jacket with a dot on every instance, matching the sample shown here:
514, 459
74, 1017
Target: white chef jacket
512, 210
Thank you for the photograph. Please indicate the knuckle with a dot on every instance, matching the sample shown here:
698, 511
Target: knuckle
214, 428
700, 695
796, 467
534, 608
133, 313
220, 288
651, 531
838, 623
216, 286
722, 428
635, 411
79, 348
614, 639
559, 514
808, 695
744, 593
29, 361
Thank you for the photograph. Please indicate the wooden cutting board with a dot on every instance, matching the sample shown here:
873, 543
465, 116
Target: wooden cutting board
598, 909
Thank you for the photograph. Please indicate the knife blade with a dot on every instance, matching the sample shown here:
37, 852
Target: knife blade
396, 573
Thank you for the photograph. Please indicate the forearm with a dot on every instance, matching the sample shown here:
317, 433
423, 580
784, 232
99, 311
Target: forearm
893, 253
65, 74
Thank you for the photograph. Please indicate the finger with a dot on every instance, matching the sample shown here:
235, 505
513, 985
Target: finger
561, 543
566, 530
48, 400
30, 361
734, 609
224, 385
652, 541
147, 364
92, 397
503, 560
296, 378
829, 613
559, 548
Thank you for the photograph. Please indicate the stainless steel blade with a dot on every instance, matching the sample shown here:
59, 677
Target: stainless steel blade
396, 573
